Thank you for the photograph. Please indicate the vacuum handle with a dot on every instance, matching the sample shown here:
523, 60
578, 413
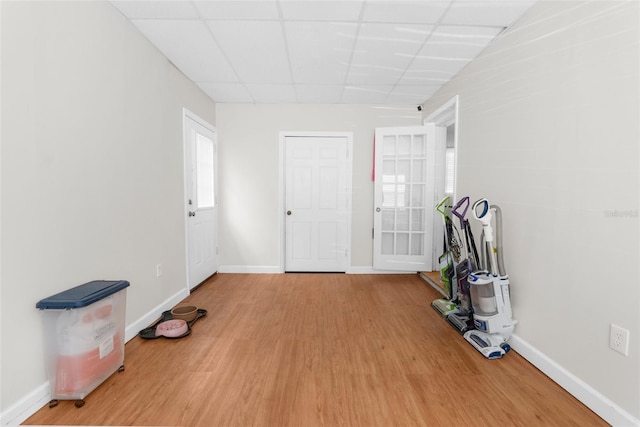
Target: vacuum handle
463, 205
440, 206
484, 204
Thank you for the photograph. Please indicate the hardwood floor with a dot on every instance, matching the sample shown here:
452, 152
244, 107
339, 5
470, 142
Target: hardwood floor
320, 349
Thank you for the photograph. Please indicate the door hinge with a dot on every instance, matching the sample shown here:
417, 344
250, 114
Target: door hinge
372, 233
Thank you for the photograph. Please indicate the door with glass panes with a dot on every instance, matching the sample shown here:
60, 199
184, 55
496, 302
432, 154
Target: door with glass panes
201, 199
404, 194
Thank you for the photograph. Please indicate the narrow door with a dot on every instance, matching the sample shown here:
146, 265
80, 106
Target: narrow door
201, 200
404, 198
317, 203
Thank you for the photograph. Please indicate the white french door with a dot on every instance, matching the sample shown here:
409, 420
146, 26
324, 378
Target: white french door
404, 193
201, 208
317, 203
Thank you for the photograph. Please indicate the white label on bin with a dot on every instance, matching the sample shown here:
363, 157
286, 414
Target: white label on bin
106, 347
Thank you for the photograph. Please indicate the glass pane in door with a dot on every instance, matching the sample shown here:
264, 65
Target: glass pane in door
204, 172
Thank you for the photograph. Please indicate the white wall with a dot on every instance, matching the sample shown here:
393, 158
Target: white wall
91, 169
549, 130
248, 138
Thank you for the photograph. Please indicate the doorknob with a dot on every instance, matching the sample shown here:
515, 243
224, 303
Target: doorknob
288, 212
192, 214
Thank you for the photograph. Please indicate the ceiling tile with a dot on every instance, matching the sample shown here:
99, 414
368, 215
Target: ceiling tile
417, 11
365, 94
383, 51
189, 45
226, 92
256, 49
480, 12
415, 76
321, 51
411, 94
272, 94
435, 66
162, 9
313, 10
459, 41
237, 10
319, 94
316, 52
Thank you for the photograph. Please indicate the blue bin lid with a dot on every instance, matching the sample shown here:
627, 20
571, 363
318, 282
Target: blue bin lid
83, 295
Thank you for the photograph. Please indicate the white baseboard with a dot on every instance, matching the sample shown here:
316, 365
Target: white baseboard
594, 400
250, 269
274, 269
152, 315
371, 270
39, 397
26, 406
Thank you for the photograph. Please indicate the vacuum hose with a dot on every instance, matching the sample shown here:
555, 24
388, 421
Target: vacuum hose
498, 236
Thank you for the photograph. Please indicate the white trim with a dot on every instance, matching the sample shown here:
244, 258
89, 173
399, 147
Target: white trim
27, 406
590, 397
282, 194
251, 269
370, 270
446, 114
443, 117
152, 315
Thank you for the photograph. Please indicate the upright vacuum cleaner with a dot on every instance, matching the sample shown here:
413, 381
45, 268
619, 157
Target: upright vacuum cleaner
447, 262
489, 291
463, 319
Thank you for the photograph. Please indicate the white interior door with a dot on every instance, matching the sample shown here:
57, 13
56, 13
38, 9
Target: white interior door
201, 200
317, 203
404, 198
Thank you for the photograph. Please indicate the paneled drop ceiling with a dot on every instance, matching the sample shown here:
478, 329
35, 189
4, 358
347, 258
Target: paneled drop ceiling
392, 52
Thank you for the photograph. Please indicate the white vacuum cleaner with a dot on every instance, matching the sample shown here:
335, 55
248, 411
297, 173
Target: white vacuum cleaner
489, 290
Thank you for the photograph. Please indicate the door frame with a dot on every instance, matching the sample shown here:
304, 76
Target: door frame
445, 115
187, 114
282, 191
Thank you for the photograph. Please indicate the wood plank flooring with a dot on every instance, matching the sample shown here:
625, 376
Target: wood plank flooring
320, 350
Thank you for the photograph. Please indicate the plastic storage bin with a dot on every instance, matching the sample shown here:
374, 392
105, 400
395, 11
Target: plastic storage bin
84, 337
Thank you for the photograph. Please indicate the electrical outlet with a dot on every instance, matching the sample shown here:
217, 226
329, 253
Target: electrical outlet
158, 270
619, 339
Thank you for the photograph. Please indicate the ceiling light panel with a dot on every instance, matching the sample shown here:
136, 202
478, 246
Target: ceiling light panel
339, 11
256, 49
316, 50
418, 12
189, 45
493, 13
156, 9
237, 10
